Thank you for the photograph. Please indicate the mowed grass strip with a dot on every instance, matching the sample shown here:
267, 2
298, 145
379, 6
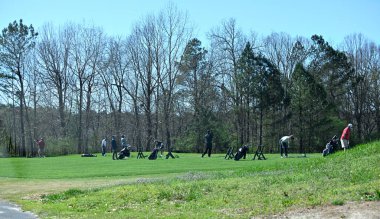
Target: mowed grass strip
217, 188
74, 166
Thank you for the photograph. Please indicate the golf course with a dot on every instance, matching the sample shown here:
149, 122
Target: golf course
189, 186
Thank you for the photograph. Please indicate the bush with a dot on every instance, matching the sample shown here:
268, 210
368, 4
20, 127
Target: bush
62, 146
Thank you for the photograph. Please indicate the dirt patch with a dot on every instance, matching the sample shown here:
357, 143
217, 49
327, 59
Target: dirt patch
351, 210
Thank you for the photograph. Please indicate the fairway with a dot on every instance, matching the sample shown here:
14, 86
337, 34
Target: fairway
74, 166
189, 186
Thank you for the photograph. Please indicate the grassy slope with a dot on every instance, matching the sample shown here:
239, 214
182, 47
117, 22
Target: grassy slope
205, 188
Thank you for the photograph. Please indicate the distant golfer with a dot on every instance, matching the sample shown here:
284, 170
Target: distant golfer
123, 141
41, 147
104, 146
345, 138
284, 144
208, 143
114, 148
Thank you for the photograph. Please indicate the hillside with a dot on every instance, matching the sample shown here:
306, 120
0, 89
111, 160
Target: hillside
210, 188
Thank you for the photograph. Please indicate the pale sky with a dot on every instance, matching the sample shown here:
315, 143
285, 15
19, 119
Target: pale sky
333, 19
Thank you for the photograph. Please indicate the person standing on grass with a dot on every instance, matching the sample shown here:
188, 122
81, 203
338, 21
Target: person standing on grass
123, 142
284, 144
208, 143
345, 138
41, 147
104, 146
114, 148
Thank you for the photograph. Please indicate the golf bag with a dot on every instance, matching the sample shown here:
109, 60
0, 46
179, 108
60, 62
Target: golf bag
88, 155
229, 154
125, 152
242, 152
330, 146
159, 147
153, 155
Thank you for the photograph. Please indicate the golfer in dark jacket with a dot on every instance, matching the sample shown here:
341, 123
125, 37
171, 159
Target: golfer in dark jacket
208, 142
114, 148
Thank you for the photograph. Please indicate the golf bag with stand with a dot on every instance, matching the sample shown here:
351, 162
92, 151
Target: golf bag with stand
125, 152
159, 146
242, 152
330, 146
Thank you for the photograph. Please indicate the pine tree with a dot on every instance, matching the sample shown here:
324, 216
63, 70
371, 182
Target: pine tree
195, 79
260, 85
15, 43
309, 106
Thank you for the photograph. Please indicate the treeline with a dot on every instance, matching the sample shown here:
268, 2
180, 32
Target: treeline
73, 85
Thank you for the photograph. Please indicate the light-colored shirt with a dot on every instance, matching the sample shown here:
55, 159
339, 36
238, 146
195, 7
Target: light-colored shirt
285, 139
123, 142
104, 143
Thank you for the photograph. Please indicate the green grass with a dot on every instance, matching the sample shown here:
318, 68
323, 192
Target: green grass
191, 187
74, 166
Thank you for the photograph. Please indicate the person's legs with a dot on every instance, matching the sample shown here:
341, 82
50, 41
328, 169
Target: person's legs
209, 151
344, 143
286, 150
205, 152
281, 149
114, 155
103, 151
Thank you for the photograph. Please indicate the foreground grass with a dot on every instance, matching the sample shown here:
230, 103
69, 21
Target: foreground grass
200, 188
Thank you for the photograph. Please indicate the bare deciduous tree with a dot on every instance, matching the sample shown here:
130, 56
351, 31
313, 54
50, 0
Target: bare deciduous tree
228, 42
171, 39
53, 51
365, 59
144, 36
84, 56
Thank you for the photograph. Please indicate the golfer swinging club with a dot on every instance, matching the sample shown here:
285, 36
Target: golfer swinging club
284, 144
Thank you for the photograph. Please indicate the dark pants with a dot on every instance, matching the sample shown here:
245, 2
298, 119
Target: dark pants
103, 151
114, 154
284, 148
207, 151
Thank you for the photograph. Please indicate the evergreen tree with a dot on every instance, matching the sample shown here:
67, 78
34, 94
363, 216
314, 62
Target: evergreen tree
260, 80
309, 106
195, 78
331, 68
244, 89
268, 89
15, 43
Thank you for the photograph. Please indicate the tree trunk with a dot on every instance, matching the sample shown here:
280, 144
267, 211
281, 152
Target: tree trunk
149, 130
22, 153
261, 127
137, 124
29, 131
79, 131
88, 115
167, 128
62, 112
301, 128
33, 149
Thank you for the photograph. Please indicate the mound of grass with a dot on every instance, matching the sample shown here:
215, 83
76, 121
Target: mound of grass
216, 188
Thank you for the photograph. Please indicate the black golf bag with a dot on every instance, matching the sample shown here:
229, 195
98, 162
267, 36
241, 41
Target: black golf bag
125, 152
242, 152
159, 147
330, 146
88, 155
153, 155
